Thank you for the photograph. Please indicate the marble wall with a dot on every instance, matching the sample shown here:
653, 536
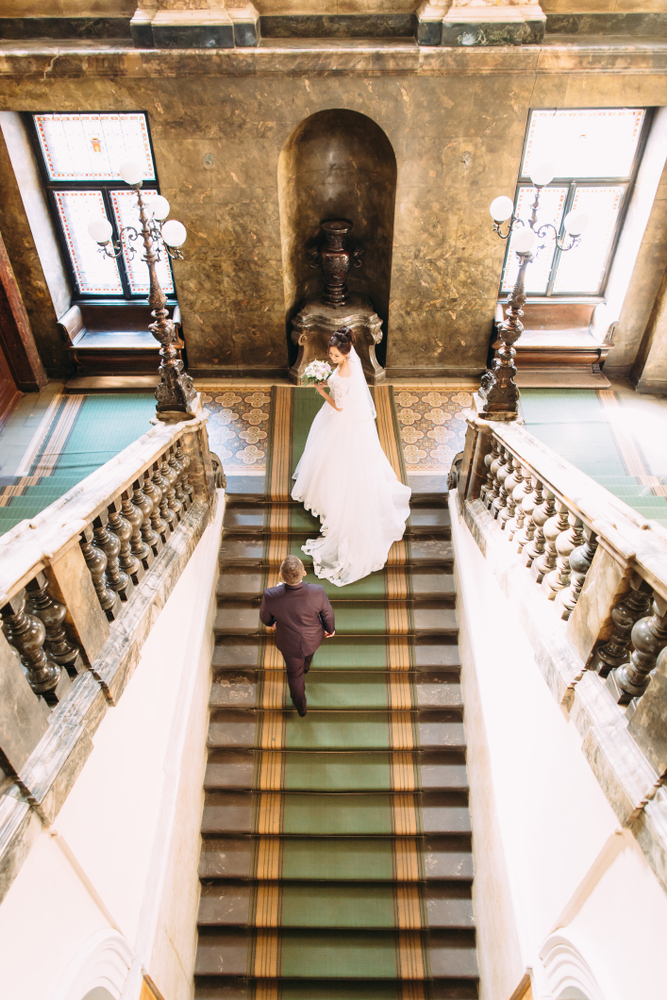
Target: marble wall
125, 8
219, 120
67, 8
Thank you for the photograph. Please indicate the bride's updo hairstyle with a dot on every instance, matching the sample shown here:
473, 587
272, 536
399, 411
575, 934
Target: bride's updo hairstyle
343, 340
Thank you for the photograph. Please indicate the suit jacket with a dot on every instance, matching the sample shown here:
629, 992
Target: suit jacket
302, 613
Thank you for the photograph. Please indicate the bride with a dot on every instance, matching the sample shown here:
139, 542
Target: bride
345, 478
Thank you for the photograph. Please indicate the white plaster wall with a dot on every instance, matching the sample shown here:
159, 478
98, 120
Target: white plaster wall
123, 851
549, 852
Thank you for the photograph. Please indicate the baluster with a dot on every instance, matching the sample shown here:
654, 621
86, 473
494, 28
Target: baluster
27, 634
489, 458
162, 485
154, 494
541, 515
529, 504
52, 614
512, 483
96, 560
504, 472
178, 486
105, 539
624, 615
553, 527
559, 578
122, 529
580, 563
497, 464
185, 461
515, 525
170, 475
649, 637
132, 513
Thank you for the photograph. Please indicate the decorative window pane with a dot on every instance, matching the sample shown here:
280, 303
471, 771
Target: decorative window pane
126, 211
585, 142
582, 269
552, 204
95, 273
91, 147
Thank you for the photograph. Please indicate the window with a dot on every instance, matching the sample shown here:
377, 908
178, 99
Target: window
79, 156
595, 153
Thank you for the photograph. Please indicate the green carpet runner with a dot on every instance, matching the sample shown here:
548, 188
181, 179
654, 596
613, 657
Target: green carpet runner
336, 861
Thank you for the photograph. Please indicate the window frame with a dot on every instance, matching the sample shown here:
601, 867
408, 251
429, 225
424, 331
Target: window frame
572, 183
128, 298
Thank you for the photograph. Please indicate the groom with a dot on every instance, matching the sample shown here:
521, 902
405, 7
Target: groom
302, 616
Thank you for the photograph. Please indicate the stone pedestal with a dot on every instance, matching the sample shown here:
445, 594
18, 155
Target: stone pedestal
480, 22
313, 326
202, 24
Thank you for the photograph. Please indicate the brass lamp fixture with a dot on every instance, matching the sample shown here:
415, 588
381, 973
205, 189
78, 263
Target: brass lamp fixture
498, 390
175, 393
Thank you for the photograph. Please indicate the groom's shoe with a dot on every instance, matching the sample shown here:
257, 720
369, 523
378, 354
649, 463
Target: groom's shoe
301, 714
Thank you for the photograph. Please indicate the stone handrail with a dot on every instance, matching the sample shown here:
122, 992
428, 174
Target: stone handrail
589, 577
80, 585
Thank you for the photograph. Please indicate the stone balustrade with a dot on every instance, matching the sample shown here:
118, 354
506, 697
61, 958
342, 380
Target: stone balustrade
588, 576
80, 586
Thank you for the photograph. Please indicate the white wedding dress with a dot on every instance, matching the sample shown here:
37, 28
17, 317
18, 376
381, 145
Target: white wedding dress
345, 479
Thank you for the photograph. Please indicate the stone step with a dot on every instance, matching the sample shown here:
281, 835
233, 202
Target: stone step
245, 653
333, 690
319, 730
252, 552
345, 859
362, 954
370, 771
257, 499
242, 618
231, 988
273, 520
337, 905
341, 814
241, 583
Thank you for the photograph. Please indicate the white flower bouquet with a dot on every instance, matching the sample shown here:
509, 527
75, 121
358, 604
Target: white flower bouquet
316, 373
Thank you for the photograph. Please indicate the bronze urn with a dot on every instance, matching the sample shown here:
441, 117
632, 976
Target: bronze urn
335, 261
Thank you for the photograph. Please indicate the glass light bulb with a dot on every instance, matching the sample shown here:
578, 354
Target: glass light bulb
158, 207
524, 241
100, 230
501, 208
542, 174
131, 172
174, 233
575, 223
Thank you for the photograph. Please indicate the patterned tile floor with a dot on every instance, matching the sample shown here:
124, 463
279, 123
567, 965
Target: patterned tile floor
433, 426
431, 419
238, 419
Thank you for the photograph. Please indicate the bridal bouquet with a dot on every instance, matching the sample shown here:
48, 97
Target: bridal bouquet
316, 373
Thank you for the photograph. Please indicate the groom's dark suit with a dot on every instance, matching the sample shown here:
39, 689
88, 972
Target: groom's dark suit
302, 614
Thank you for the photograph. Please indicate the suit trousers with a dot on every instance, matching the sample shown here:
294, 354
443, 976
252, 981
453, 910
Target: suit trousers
297, 668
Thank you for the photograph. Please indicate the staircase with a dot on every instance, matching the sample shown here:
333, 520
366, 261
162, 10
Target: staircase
336, 861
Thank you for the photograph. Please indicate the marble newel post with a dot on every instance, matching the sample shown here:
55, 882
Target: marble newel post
195, 24
480, 22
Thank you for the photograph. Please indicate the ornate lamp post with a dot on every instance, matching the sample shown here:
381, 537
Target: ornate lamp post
175, 393
498, 391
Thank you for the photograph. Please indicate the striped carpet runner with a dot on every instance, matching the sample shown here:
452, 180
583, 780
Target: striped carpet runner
336, 861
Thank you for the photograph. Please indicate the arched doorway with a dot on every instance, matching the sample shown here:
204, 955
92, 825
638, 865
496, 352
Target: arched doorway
337, 164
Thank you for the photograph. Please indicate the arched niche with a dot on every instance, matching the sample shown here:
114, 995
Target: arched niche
337, 164
99, 993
